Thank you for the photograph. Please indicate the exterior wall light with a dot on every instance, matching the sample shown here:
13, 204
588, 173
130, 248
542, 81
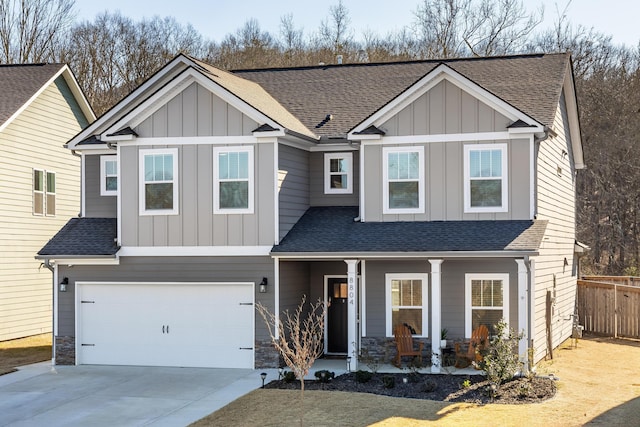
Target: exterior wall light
263, 285
63, 284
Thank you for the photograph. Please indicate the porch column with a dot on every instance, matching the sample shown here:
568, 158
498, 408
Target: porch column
436, 314
352, 314
522, 312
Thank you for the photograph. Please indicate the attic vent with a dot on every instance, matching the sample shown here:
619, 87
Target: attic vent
324, 121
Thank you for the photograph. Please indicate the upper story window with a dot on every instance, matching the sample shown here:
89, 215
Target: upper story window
338, 173
108, 175
485, 181
403, 179
407, 302
159, 181
233, 180
486, 300
44, 192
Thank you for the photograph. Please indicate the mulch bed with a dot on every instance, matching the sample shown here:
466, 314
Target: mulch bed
440, 387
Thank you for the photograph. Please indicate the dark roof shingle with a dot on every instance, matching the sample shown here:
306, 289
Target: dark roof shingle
332, 229
83, 237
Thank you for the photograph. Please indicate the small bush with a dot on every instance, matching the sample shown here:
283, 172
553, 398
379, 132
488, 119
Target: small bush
324, 376
429, 386
501, 362
363, 376
289, 377
372, 362
388, 381
466, 383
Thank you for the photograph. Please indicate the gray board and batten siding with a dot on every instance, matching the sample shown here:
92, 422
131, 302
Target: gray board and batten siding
168, 269
197, 112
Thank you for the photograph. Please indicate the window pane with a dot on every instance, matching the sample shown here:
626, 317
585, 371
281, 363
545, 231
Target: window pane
403, 195
474, 164
393, 166
243, 165
111, 167
38, 180
414, 166
168, 167
338, 181
158, 165
403, 165
148, 168
486, 192
338, 165
497, 293
223, 166
485, 163
487, 293
476, 293
51, 182
233, 165
38, 203
234, 195
111, 183
395, 293
485, 317
496, 163
405, 293
159, 196
410, 316
51, 204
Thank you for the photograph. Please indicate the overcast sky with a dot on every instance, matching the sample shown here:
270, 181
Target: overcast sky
216, 18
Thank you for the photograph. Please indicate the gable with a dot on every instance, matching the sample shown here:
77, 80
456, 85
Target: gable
445, 109
196, 111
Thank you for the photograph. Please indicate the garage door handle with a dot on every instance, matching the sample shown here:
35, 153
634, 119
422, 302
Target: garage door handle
246, 348
167, 328
163, 329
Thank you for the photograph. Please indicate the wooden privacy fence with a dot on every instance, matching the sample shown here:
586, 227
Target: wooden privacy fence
609, 309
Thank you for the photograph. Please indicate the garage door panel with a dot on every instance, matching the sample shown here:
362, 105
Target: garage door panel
203, 325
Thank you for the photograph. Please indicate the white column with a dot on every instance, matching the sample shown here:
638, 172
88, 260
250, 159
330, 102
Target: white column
352, 313
436, 314
276, 294
523, 311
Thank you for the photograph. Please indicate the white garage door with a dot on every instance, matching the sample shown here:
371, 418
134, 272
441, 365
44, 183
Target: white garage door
165, 324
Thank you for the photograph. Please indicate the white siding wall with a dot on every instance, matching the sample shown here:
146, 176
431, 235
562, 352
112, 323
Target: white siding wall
33, 140
556, 203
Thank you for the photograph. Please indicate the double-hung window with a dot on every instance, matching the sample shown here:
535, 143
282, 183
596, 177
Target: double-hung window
159, 181
44, 192
108, 175
486, 300
406, 301
403, 180
485, 184
338, 173
233, 180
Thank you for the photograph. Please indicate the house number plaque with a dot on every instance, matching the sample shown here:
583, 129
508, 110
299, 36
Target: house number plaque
351, 289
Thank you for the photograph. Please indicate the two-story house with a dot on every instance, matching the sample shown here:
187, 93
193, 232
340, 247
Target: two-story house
41, 108
434, 193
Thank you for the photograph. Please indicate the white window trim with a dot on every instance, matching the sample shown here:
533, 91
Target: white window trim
103, 175
385, 180
468, 277
388, 277
327, 173
42, 192
47, 193
141, 188
216, 180
467, 178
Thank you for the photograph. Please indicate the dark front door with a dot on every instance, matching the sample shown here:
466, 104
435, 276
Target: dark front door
337, 315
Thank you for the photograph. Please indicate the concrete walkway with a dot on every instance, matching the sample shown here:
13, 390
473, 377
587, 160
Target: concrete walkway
38, 395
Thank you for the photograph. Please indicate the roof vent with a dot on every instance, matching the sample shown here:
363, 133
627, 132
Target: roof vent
339, 59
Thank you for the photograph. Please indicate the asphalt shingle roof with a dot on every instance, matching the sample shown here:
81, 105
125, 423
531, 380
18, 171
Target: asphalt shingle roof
83, 237
353, 92
18, 83
332, 229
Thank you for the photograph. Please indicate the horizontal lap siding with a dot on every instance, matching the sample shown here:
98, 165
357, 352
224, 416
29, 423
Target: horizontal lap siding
96, 206
293, 186
167, 269
556, 203
34, 140
317, 179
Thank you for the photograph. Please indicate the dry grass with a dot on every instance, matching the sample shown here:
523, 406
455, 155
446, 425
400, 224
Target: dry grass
599, 385
24, 351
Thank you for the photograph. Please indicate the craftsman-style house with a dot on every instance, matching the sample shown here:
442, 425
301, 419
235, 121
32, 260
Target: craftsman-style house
41, 107
439, 194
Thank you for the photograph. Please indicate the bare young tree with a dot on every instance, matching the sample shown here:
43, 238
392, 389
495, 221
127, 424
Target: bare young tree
299, 338
30, 29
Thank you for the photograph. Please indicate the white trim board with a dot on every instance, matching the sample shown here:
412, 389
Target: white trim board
167, 251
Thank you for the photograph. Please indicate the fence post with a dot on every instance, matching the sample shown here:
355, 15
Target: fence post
615, 310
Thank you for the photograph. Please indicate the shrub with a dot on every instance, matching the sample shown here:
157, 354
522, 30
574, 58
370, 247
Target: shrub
388, 381
289, 377
363, 376
501, 361
466, 383
324, 376
372, 362
429, 386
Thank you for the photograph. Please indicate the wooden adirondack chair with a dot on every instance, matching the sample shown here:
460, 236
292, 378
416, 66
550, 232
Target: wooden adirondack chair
478, 342
404, 345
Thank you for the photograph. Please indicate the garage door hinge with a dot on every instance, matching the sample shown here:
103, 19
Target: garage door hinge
88, 345
246, 303
246, 348
87, 302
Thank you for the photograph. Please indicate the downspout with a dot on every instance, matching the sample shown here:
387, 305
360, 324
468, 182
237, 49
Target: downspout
527, 264
54, 271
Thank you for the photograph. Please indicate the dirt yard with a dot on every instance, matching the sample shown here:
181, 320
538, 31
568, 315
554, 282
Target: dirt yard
599, 384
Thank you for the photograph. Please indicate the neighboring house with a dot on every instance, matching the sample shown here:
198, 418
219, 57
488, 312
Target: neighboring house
435, 193
41, 108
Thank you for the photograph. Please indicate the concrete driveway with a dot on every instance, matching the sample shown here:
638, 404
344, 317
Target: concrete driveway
38, 395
